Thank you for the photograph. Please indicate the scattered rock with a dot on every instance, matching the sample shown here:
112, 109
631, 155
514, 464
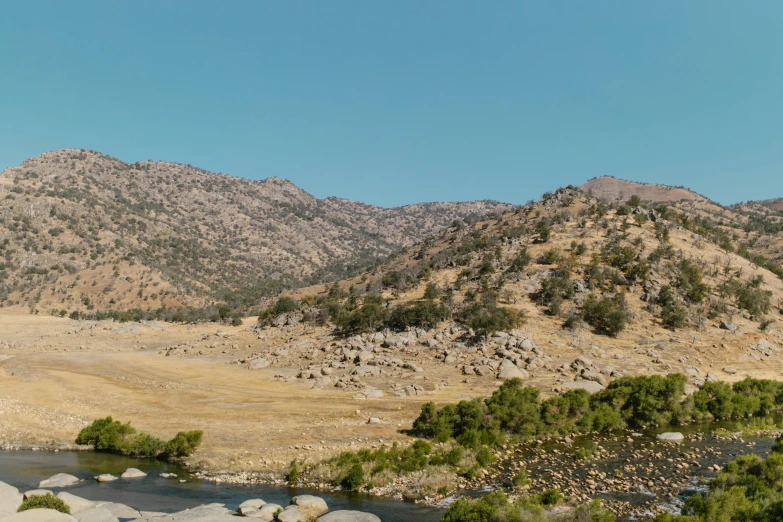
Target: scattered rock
728, 325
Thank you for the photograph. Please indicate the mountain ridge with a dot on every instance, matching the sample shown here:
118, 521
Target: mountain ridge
151, 234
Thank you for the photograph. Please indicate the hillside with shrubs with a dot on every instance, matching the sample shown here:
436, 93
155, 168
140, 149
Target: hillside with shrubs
82, 233
569, 262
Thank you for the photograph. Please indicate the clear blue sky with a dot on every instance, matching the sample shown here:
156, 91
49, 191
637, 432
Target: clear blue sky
404, 101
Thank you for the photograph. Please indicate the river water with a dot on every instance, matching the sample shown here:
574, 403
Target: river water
25, 469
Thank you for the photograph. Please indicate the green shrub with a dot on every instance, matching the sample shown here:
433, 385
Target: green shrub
293, 472
354, 478
423, 314
550, 497
283, 305
755, 300
487, 319
690, 281
184, 443
549, 257
113, 436
47, 501
673, 316
603, 315
521, 261
106, 435
370, 316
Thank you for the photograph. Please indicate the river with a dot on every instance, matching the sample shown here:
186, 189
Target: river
25, 469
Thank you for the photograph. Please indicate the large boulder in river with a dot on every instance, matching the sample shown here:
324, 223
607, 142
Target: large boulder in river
10, 499
120, 510
39, 515
75, 503
265, 513
205, 513
60, 480
105, 477
671, 436
291, 514
349, 516
250, 504
96, 514
133, 473
310, 505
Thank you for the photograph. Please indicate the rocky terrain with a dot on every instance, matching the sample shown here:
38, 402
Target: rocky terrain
81, 231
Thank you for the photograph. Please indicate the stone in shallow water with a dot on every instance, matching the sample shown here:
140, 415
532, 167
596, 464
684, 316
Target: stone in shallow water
671, 436
133, 473
105, 477
60, 480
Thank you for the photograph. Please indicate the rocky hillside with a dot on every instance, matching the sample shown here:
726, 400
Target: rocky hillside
754, 228
83, 231
650, 286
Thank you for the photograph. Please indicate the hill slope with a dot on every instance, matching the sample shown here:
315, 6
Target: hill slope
81, 230
618, 190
